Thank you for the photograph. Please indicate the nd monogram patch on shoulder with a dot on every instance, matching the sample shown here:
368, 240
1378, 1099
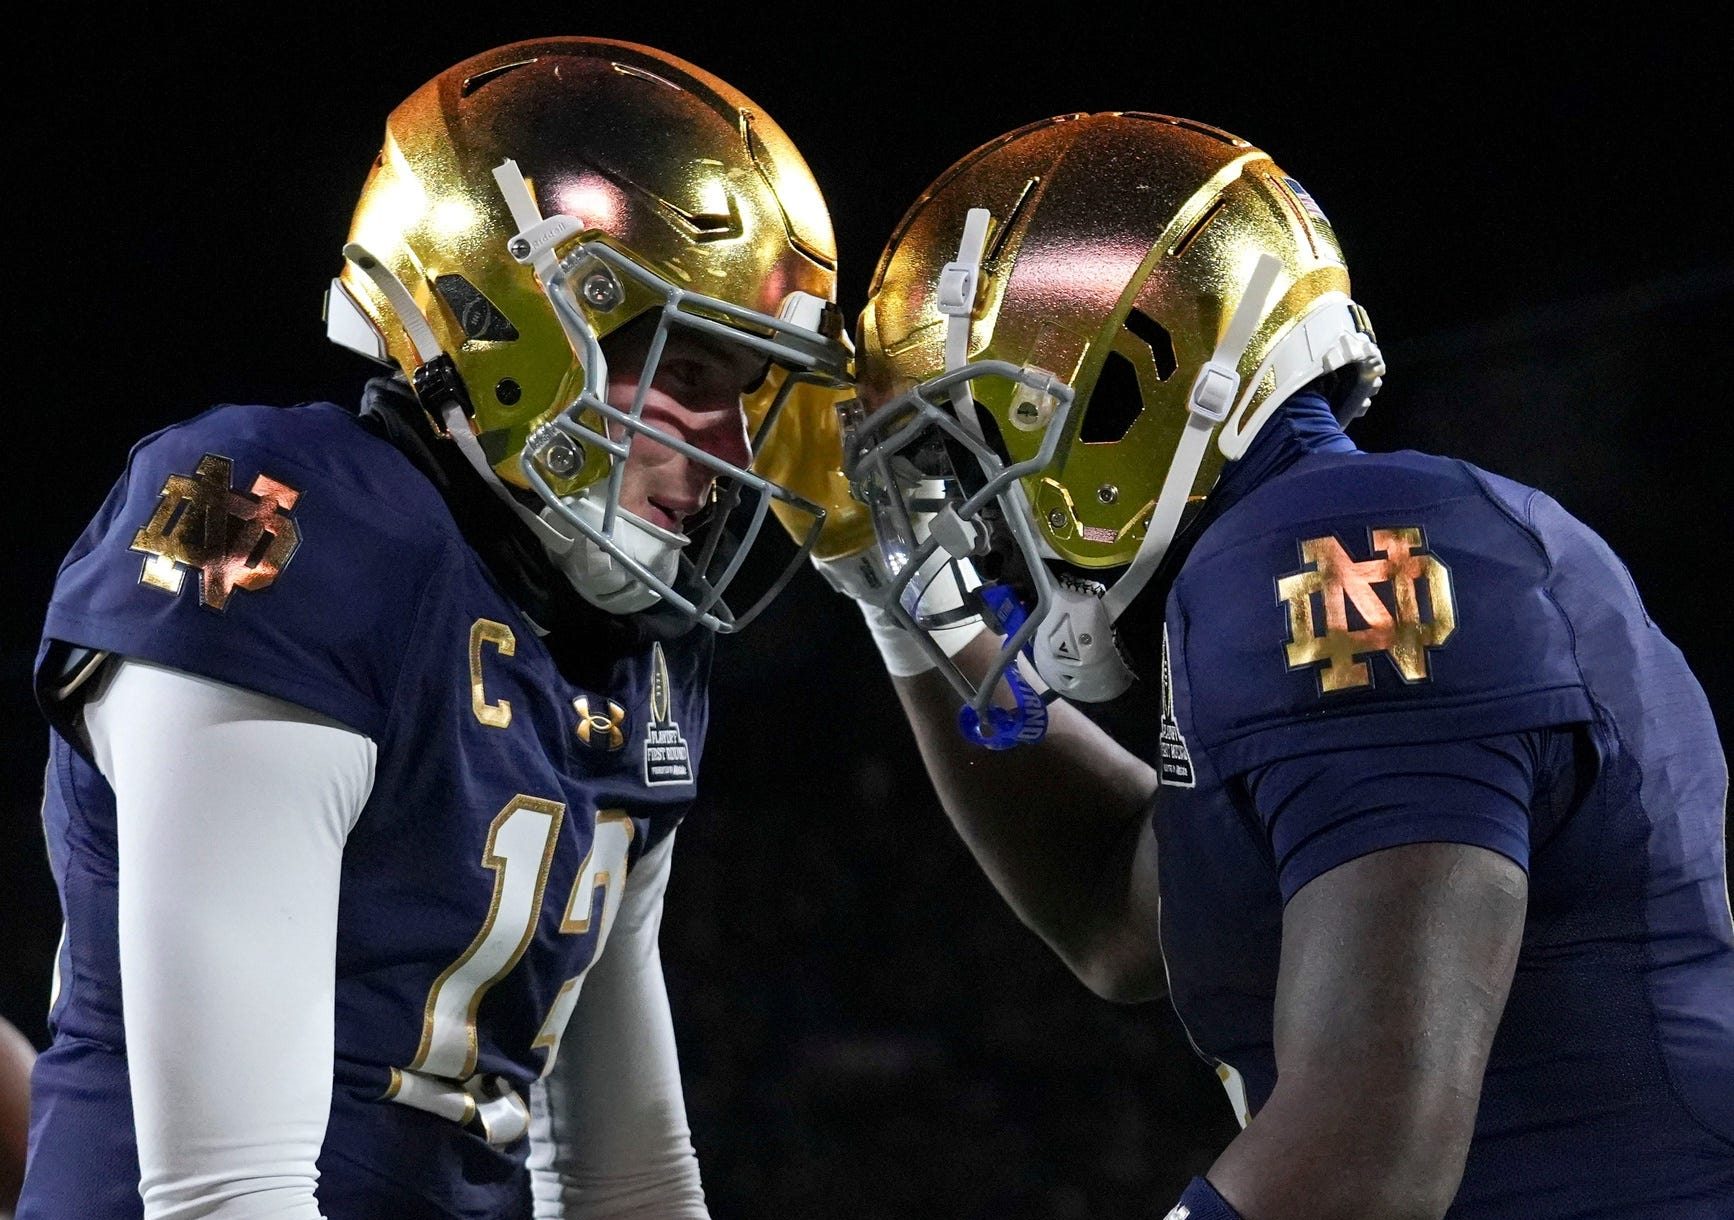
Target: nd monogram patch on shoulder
233, 539
1401, 599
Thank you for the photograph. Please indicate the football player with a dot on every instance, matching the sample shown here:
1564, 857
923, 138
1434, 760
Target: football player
1430, 860
372, 731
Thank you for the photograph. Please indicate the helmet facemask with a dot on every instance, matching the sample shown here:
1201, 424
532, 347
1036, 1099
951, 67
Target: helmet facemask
674, 202
794, 343
1229, 293
942, 498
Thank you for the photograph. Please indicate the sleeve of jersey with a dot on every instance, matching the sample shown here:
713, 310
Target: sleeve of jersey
1413, 610
1328, 808
243, 546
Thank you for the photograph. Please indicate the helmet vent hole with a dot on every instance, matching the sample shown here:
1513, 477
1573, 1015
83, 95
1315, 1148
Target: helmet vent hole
990, 260
642, 74
1114, 404
1160, 341
1184, 242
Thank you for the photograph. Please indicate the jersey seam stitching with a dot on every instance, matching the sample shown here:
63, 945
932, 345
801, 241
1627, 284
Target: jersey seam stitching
1379, 709
1527, 527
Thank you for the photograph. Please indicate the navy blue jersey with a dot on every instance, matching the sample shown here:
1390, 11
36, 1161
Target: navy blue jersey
293, 552
1364, 651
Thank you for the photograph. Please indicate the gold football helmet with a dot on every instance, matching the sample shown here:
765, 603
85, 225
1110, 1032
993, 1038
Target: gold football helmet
531, 201
1080, 322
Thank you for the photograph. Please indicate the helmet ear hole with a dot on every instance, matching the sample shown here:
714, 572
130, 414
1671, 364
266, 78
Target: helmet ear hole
479, 317
1141, 358
1115, 403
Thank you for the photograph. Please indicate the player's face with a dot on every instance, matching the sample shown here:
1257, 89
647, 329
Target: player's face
696, 396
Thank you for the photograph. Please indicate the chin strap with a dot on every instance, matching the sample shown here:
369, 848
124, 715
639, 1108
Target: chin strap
1074, 649
435, 377
591, 571
1214, 393
457, 426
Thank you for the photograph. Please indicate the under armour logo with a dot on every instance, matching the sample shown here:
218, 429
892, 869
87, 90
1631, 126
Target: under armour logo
600, 730
1334, 583
234, 539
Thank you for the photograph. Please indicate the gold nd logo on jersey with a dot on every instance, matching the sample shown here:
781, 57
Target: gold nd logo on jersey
233, 539
1385, 594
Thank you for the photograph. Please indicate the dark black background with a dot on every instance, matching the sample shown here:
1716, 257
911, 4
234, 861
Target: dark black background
1533, 218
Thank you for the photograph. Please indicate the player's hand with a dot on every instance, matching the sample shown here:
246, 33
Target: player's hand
803, 451
942, 588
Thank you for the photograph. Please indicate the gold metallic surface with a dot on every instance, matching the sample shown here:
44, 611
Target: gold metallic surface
1093, 216
1339, 582
487, 631
803, 452
233, 539
654, 156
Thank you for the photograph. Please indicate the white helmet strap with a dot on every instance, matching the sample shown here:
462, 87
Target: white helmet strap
958, 281
536, 239
415, 323
1214, 393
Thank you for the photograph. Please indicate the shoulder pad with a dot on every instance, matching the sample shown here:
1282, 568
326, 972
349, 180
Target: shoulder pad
1370, 600
284, 550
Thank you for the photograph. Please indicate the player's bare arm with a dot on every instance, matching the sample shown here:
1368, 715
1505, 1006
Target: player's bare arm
1060, 827
1395, 969
1424, 767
